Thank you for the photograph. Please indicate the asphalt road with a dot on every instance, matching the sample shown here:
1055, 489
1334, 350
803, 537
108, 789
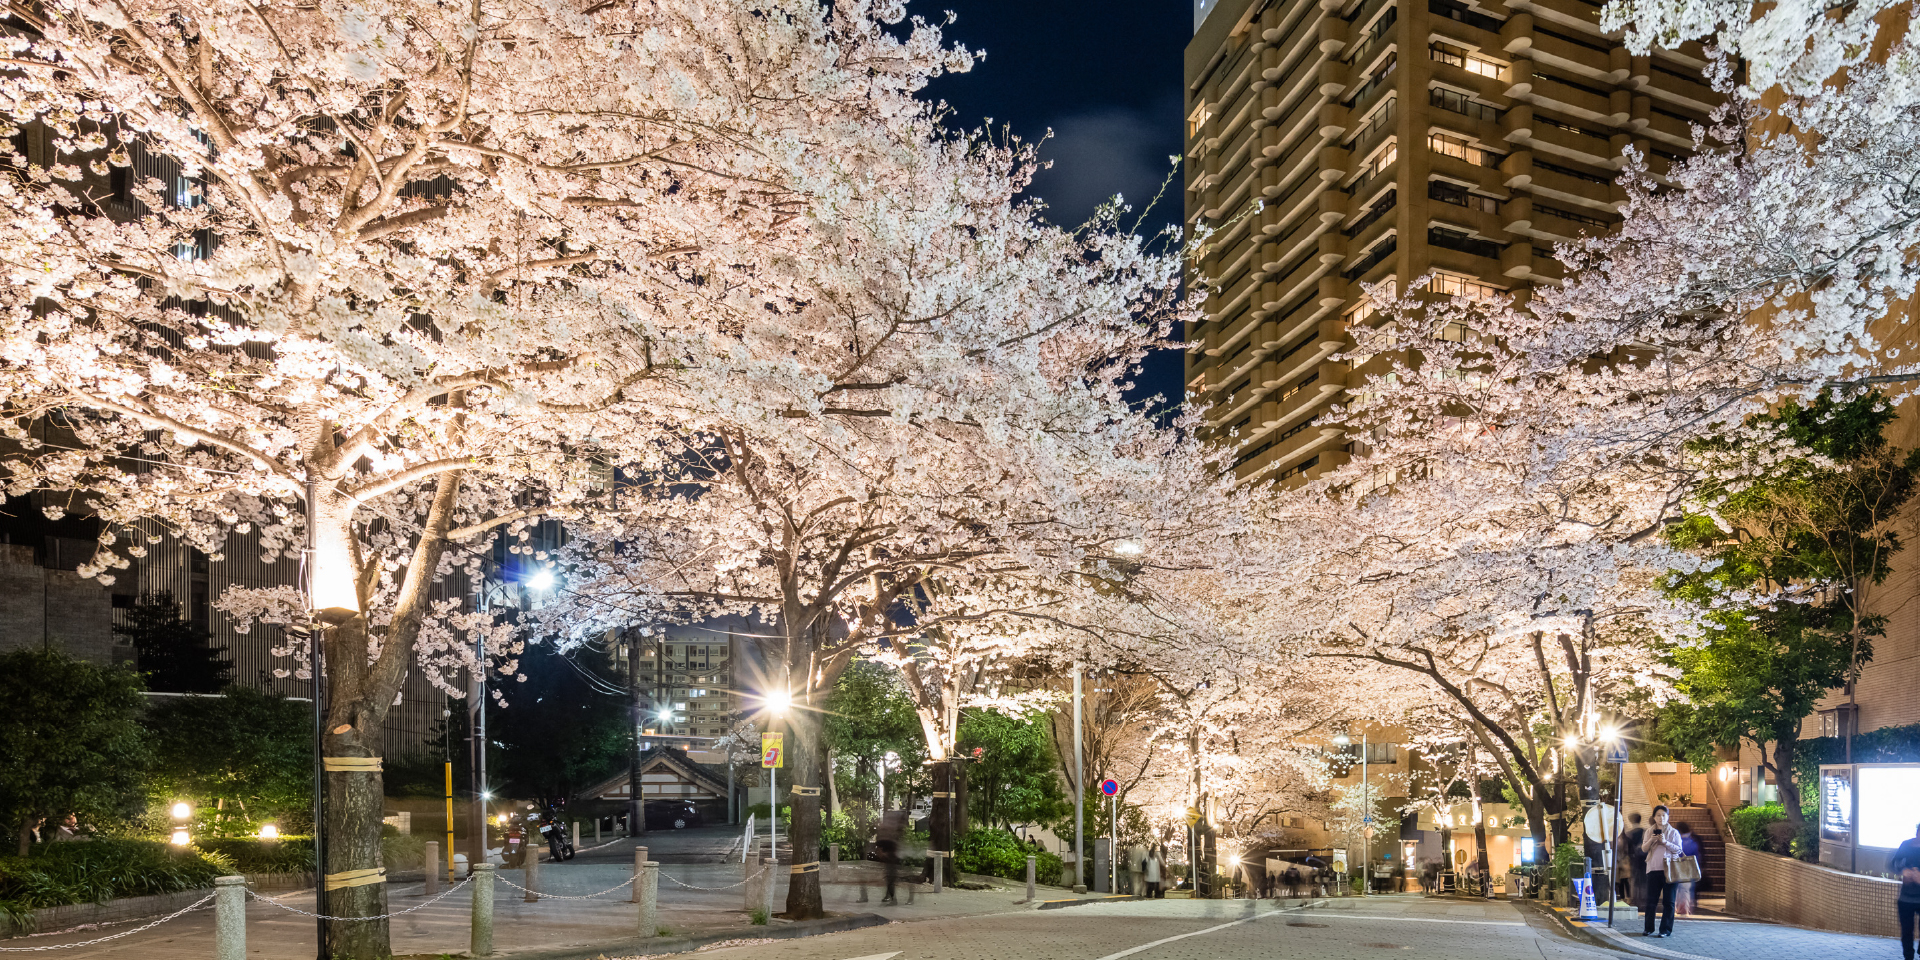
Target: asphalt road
705, 844
1199, 930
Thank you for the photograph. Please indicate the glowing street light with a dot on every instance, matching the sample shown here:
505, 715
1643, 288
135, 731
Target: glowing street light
778, 701
541, 580
182, 810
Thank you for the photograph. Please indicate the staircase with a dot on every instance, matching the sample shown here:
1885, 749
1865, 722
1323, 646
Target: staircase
1713, 849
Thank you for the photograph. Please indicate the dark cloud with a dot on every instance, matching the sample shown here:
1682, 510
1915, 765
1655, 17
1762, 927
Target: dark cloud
1112, 150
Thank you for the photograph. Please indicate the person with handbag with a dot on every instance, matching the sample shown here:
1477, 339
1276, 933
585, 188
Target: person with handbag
1905, 864
1662, 847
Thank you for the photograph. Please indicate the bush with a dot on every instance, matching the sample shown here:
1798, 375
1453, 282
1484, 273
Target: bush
96, 871
1750, 825
839, 829
998, 853
1566, 859
285, 855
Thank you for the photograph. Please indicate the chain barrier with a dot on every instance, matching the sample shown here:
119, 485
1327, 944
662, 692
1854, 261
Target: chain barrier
730, 886
544, 895
419, 906
197, 904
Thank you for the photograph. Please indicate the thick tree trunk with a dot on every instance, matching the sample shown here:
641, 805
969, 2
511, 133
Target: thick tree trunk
1785, 747
940, 819
356, 803
26, 835
1586, 764
803, 884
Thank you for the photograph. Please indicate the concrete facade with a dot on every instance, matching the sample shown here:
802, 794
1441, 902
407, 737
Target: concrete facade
41, 607
1337, 144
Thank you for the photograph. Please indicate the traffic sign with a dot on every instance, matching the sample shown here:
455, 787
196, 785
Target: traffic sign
1616, 753
773, 750
1109, 786
1599, 822
1193, 816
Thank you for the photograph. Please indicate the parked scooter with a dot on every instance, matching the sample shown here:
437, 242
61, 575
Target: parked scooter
558, 839
514, 847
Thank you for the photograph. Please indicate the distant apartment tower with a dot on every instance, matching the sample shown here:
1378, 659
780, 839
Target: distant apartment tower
1383, 140
688, 676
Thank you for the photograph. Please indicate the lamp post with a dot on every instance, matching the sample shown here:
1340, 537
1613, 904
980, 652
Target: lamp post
1366, 808
1079, 791
777, 703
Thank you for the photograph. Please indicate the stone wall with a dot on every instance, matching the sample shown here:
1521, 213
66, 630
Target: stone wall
1768, 887
52, 608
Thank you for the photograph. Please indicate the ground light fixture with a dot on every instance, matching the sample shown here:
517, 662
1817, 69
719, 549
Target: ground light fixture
180, 837
269, 832
182, 810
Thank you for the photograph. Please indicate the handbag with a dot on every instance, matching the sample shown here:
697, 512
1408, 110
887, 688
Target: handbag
1683, 869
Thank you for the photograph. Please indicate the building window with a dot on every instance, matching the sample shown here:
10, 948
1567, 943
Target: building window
1579, 218
1461, 103
1463, 242
1457, 285
1464, 59
1447, 191
1379, 120
1460, 148
1298, 469
1838, 722
1455, 10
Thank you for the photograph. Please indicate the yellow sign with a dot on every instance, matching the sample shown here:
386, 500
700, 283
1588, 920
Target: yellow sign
773, 750
1193, 817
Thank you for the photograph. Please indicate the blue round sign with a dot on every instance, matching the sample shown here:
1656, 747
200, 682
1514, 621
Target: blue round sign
1109, 786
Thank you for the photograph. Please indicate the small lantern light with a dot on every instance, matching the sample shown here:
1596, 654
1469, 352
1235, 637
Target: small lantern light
182, 810
180, 838
269, 832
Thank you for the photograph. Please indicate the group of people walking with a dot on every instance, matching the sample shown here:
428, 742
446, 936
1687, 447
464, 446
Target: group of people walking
1656, 857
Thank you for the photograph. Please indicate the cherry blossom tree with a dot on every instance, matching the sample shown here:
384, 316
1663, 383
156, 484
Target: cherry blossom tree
376, 281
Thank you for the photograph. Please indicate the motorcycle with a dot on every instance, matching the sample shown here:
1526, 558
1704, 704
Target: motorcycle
557, 839
514, 850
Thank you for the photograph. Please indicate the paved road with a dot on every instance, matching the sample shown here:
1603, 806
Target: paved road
1199, 930
1719, 938
707, 844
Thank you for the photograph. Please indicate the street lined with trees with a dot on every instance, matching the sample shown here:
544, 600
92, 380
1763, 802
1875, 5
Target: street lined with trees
714, 291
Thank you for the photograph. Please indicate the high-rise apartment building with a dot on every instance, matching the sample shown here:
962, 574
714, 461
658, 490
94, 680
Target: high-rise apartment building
1335, 144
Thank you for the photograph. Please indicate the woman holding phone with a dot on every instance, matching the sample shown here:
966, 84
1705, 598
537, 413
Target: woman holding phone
1661, 845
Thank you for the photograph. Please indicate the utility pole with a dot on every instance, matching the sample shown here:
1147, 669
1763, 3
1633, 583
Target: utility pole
1079, 791
636, 801
477, 749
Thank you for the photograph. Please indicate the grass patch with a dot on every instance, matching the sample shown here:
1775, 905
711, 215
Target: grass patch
759, 917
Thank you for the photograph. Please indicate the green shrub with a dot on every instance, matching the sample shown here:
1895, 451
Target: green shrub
998, 853
249, 855
96, 871
839, 829
1750, 825
1566, 859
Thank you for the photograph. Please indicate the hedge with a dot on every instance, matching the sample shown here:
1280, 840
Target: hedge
998, 853
95, 871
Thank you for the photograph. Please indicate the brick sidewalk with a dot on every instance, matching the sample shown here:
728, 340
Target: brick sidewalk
442, 927
1725, 938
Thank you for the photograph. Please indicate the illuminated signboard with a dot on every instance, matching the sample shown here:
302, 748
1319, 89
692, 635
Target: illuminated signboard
1836, 804
1887, 809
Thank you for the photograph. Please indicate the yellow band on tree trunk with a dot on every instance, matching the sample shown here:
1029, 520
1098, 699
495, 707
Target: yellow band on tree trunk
813, 867
356, 878
350, 764
800, 791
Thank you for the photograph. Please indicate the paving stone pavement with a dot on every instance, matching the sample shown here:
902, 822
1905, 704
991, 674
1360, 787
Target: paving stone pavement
1200, 930
274, 933
1718, 938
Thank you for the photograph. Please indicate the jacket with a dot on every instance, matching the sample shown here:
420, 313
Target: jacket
1906, 856
1658, 846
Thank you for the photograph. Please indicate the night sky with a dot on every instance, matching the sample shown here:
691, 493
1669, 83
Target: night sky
1105, 78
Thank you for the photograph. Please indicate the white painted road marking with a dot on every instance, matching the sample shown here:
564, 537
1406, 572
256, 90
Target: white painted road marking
1130, 951
1328, 914
879, 956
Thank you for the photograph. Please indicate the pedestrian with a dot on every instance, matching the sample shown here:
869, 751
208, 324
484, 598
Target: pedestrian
1905, 864
1689, 847
1152, 871
1661, 844
889, 849
1137, 869
1635, 859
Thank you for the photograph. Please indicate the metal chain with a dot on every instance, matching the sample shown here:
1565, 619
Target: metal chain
197, 904
628, 881
730, 886
419, 906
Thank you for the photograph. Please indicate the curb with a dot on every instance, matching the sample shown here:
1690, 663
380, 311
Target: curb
1077, 901
651, 946
1589, 934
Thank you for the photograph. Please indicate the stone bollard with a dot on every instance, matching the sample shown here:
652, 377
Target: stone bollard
532, 877
767, 883
433, 868
481, 942
230, 918
939, 871
646, 887
576, 835
639, 864
596, 831
748, 866
1033, 863
833, 861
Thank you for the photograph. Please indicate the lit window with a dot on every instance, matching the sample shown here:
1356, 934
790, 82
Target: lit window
1456, 285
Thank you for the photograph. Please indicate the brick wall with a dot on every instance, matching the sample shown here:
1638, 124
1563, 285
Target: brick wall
56, 608
1768, 887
